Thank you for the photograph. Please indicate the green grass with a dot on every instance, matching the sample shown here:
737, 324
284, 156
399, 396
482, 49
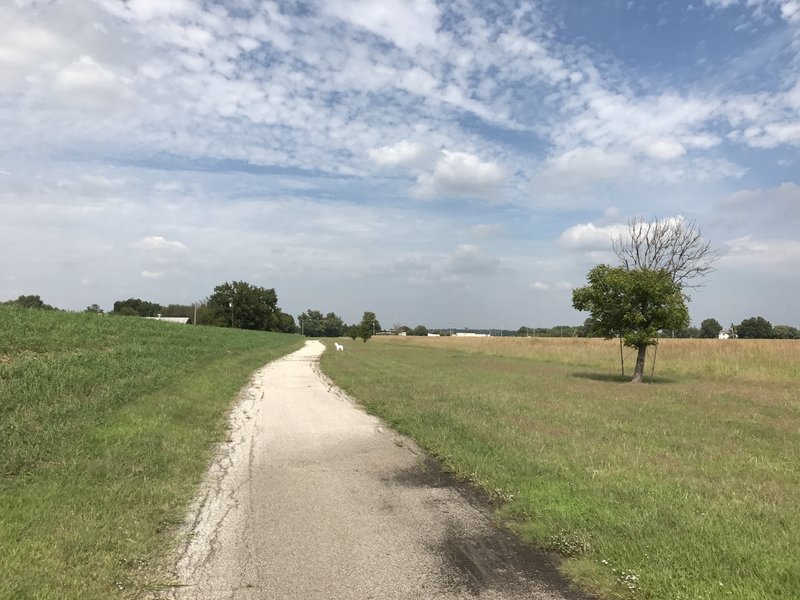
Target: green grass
685, 489
106, 426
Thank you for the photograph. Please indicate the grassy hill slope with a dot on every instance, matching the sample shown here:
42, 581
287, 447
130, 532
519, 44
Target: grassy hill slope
106, 425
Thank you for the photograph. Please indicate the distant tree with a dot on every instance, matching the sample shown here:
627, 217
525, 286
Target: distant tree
284, 322
314, 324
420, 330
368, 326
311, 323
785, 332
94, 308
244, 306
30, 301
525, 331
333, 325
755, 328
675, 246
134, 307
404, 329
710, 328
353, 331
633, 305
686, 332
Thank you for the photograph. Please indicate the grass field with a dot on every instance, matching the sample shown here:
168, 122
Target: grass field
106, 424
686, 489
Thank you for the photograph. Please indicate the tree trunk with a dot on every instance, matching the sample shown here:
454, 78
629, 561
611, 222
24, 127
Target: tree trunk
638, 372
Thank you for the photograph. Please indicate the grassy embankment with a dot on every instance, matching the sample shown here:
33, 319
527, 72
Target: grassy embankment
106, 425
687, 489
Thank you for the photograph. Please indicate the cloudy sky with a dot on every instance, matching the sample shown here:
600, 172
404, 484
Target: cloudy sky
437, 162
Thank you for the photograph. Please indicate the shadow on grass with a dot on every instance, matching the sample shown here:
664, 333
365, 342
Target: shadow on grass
617, 378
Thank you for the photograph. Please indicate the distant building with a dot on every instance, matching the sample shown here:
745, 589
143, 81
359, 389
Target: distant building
470, 334
433, 335
724, 336
178, 320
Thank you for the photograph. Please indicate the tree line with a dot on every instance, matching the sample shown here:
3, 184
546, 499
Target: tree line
236, 304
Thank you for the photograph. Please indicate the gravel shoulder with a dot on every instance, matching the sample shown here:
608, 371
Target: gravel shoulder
312, 498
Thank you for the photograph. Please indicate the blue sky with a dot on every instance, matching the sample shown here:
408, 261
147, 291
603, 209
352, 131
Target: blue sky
435, 162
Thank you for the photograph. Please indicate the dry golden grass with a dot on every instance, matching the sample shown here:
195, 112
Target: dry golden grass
739, 360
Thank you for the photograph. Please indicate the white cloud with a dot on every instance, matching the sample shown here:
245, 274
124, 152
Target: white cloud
404, 153
469, 259
770, 254
461, 174
582, 166
664, 149
588, 236
559, 286
405, 23
156, 242
152, 274
782, 201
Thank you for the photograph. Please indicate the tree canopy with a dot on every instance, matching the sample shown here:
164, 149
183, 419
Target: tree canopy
632, 304
31, 301
367, 327
135, 307
710, 328
755, 328
242, 305
314, 324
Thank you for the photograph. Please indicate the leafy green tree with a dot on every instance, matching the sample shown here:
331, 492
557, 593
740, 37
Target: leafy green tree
686, 332
420, 330
633, 305
314, 324
710, 328
94, 308
333, 325
368, 326
244, 306
284, 322
311, 323
30, 301
786, 332
755, 328
134, 307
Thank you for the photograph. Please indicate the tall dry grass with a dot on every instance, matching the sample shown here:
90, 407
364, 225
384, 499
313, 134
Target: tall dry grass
720, 360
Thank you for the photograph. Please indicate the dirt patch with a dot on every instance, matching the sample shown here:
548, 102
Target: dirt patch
491, 559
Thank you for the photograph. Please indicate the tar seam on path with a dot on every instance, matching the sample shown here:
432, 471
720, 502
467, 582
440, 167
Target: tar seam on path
312, 498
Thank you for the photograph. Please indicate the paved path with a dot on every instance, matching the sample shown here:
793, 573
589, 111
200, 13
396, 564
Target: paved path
314, 499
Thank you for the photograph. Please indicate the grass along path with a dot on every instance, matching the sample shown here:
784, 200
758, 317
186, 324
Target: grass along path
688, 489
106, 425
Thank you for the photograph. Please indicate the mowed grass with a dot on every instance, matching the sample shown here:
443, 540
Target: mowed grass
688, 488
106, 425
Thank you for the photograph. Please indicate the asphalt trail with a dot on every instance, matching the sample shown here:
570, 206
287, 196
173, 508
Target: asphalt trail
314, 499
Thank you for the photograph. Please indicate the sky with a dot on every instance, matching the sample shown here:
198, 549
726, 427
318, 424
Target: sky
458, 162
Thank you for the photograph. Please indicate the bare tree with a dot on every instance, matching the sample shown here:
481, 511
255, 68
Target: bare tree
672, 245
